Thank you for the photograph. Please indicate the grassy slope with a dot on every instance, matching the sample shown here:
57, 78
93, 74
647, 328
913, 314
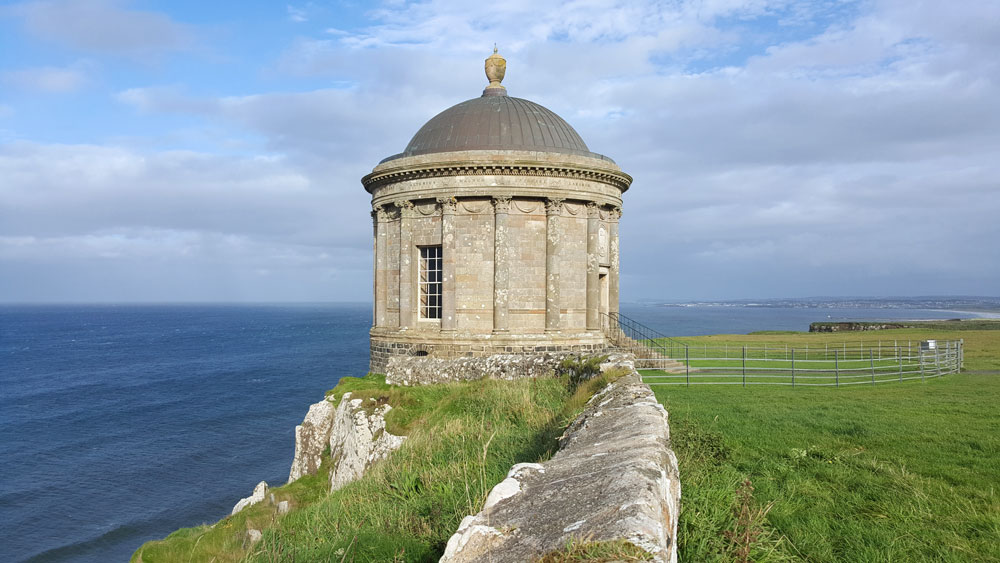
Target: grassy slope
899, 472
462, 440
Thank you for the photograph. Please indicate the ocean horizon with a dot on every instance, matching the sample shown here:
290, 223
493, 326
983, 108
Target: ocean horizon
124, 422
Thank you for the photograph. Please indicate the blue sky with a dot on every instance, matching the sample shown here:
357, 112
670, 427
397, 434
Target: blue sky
183, 151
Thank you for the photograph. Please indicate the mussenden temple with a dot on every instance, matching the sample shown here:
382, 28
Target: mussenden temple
496, 231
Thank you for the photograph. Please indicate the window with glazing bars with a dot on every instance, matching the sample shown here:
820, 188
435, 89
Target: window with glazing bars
430, 282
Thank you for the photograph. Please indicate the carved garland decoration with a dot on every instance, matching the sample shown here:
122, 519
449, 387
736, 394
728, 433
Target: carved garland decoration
372, 181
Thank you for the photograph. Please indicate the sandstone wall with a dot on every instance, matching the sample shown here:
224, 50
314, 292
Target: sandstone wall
526, 225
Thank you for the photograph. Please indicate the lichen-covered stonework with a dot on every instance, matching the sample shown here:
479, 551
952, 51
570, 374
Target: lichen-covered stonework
613, 478
407, 370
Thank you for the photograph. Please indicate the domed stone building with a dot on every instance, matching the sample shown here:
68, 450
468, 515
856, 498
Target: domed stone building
496, 231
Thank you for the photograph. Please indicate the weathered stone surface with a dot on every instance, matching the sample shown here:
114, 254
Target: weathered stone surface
254, 536
613, 478
283, 507
259, 492
311, 438
405, 370
358, 439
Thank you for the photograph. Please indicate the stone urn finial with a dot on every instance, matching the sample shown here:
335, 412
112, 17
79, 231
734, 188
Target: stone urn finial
496, 67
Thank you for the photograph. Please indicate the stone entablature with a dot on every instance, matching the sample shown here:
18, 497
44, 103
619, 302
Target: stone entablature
503, 173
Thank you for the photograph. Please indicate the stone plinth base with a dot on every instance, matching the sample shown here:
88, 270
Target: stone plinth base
388, 343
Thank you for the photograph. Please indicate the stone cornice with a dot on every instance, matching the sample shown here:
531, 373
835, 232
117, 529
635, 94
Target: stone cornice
378, 178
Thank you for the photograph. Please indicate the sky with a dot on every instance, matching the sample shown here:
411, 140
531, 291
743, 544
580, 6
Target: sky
165, 151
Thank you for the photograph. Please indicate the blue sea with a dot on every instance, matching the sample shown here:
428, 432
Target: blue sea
121, 423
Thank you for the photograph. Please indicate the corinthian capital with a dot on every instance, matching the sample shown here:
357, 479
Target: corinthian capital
553, 206
449, 205
501, 204
405, 206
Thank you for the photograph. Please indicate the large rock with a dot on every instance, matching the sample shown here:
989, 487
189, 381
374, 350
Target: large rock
358, 439
311, 438
259, 492
613, 478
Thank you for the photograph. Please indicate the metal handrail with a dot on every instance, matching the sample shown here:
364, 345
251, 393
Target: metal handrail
628, 334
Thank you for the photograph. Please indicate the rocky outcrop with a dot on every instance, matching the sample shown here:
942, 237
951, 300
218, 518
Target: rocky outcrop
422, 370
854, 326
311, 438
355, 432
613, 478
259, 492
358, 439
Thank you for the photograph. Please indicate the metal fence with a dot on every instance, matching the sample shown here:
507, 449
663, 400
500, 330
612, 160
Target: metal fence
663, 360
847, 364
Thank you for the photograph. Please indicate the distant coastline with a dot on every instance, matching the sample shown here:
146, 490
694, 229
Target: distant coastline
961, 305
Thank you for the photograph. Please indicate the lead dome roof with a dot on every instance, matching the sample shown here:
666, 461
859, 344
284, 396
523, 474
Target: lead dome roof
496, 121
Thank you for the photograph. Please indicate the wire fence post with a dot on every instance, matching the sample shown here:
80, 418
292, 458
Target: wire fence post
899, 356
920, 358
793, 367
744, 366
836, 367
687, 368
871, 357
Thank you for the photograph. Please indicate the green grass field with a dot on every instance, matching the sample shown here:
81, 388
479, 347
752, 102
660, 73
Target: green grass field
462, 438
897, 472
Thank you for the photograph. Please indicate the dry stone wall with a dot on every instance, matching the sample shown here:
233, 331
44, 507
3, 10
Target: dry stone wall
613, 478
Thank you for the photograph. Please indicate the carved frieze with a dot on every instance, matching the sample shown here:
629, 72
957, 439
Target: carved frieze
474, 207
619, 180
527, 206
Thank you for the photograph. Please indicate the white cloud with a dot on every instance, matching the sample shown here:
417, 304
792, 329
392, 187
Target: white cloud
107, 26
297, 15
47, 79
855, 155
82, 206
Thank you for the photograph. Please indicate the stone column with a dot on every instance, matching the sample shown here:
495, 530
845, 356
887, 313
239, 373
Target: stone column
448, 244
615, 214
553, 244
593, 266
379, 218
501, 264
407, 277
